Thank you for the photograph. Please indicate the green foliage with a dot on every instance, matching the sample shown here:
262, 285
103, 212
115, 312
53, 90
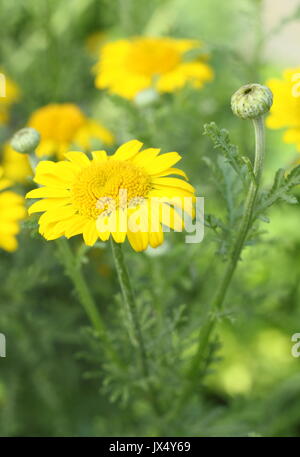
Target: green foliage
229, 171
281, 190
220, 138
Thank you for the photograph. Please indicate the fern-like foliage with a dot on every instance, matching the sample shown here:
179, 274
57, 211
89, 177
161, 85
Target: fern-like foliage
281, 190
221, 141
232, 173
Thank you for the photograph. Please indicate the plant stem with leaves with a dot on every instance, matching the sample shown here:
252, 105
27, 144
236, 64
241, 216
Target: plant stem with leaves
250, 102
247, 215
136, 334
135, 330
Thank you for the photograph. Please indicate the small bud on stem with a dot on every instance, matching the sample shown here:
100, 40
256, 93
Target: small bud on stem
251, 101
25, 140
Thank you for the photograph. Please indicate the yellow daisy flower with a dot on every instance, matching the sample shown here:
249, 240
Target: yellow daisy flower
12, 210
16, 166
63, 125
9, 94
130, 193
285, 112
127, 67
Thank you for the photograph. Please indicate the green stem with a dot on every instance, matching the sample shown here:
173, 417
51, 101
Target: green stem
129, 301
195, 366
247, 215
135, 326
74, 272
220, 295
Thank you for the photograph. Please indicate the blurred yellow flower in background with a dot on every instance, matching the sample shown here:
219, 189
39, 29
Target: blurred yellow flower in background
127, 67
83, 196
16, 166
63, 125
285, 112
9, 94
12, 210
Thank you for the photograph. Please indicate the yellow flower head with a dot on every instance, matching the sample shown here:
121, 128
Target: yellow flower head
128, 194
127, 67
285, 112
9, 94
12, 210
63, 125
16, 166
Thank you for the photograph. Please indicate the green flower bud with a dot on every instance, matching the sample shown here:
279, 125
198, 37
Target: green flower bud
251, 101
25, 140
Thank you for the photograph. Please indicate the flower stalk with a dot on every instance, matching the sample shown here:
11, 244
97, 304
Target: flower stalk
249, 102
135, 330
247, 215
74, 272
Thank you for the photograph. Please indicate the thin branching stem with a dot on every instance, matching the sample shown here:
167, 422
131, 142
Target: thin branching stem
218, 300
135, 330
247, 214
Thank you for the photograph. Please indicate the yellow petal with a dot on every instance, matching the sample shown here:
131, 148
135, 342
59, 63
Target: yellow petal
46, 204
119, 236
55, 174
156, 238
50, 181
90, 234
50, 231
171, 218
173, 182
74, 225
118, 226
145, 157
77, 157
128, 150
51, 192
170, 195
102, 225
99, 155
172, 171
138, 240
57, 214
163, 162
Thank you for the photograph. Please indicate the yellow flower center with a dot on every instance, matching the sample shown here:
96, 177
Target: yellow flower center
152, 56
101, 188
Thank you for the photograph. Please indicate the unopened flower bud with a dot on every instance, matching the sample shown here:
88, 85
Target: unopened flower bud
25, 140
251, 101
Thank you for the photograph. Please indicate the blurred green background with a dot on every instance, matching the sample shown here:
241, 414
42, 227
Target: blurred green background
54, 380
